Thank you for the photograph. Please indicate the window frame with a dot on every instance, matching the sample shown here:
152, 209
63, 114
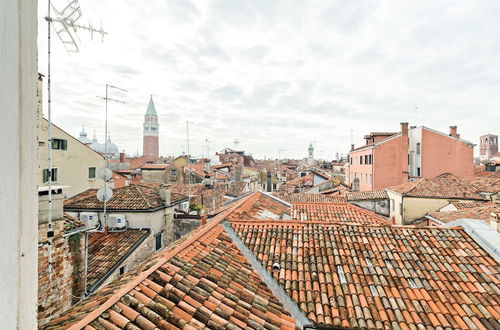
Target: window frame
45, 171
95, 173
59, 144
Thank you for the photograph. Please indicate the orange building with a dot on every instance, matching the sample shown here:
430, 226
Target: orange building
390, 159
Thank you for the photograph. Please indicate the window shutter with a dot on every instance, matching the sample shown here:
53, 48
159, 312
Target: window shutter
64, 144
45, 175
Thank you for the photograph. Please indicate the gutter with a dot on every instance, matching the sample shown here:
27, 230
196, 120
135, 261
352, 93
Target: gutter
115, 267
300, 318
126, 210
76, 231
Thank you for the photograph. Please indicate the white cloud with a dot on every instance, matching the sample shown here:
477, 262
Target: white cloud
280, 74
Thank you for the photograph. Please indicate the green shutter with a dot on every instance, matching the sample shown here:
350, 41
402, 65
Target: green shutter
64, 145
45, 175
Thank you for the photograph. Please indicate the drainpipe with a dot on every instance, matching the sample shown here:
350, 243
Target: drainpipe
86, 263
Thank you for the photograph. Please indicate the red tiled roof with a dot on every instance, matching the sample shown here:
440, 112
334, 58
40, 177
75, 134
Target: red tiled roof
203, 282
334, 212
131, 197
303, 197
105, 251
392, 277
479, 213
261, 206
71, 223
483, 184
439, 187
467, 205
365, 195
154, 166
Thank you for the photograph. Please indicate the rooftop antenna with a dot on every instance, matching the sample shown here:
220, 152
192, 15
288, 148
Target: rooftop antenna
187, 138
236, 144
65, 25
105, 193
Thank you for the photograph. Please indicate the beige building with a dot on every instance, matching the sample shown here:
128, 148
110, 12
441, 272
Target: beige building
411, 201
74, 164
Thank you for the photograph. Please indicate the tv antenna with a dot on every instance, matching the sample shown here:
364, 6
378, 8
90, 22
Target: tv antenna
65, 25
187, 138
103, 194
236, 144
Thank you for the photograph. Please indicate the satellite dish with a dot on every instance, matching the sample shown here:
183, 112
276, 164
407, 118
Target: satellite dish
110, 184
104, 174
104, 194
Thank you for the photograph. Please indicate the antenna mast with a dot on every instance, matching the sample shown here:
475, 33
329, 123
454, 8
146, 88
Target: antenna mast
62, 22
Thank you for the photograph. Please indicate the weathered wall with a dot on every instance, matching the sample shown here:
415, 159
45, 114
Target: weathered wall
56, 294
157, 176
185, 226
379, 206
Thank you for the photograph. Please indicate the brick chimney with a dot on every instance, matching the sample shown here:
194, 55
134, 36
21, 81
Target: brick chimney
453, 132
122, 157
404, 152
352, 146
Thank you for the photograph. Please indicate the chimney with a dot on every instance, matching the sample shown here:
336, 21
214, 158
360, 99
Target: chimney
453, 132
122, 157
203, 219
404, 153
165, 195
355, 184
352, 146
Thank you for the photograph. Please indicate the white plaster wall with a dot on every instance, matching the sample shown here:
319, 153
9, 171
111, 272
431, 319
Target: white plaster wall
18, 191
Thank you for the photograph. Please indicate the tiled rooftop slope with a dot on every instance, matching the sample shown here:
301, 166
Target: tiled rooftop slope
334, 212
355, 276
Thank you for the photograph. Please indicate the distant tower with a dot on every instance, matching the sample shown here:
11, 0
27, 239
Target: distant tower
150, 143
310, 154
488, 146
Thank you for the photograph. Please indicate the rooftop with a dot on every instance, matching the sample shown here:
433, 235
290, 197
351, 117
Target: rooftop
440, 187
334, 212
366, 195
478, 213
303, 197
106, 252
131, 197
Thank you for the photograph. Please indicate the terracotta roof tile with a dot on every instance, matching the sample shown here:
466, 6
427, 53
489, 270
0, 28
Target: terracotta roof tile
105, 251
484, 184
131, 197
337, 252
479, 213
334, 212
366, 195
261, 206
303, 197
440, 187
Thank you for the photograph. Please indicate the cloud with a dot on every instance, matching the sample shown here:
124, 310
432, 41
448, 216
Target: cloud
280, 74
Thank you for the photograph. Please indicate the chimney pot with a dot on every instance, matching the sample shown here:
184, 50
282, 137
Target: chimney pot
404, 128
453, 132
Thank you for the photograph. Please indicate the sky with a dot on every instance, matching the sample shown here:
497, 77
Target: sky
277, 75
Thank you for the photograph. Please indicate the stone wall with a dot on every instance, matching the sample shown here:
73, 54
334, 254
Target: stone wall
185, 226
58, 292
379, 206
156, 176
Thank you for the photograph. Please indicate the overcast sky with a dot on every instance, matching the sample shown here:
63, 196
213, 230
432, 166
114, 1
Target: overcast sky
279, 74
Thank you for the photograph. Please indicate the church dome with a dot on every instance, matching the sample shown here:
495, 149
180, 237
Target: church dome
83, 137
111, 148
96, 146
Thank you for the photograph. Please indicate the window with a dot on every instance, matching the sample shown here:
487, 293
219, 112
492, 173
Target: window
418, 148
54, 176
158, 241
366, 178
153, 128
371, 180
418, 171
59, 144
366, 159
173, 172
92, 172
370, 160
361, 160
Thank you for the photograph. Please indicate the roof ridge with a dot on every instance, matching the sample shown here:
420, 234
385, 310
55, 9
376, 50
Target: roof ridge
166, 256
142, 195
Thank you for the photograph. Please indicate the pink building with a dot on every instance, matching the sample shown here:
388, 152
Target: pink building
390, 159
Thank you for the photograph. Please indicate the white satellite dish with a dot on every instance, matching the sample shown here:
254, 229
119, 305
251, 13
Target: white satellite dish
110, 184
104, 194
104, 174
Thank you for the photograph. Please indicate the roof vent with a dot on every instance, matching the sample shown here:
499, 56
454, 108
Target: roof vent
276, 267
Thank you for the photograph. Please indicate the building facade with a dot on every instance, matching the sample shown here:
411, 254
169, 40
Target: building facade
390, 159
150, 142
488, 146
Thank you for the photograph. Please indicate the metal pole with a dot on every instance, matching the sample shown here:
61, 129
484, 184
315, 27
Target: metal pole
50, 232
106, 159
187, 137
86, 263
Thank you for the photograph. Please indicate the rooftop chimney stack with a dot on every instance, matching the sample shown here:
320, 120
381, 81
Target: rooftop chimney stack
165, 195
352, 146
122, 157
453, 132
404, 152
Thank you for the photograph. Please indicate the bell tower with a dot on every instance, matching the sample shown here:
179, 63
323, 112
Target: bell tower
150, 143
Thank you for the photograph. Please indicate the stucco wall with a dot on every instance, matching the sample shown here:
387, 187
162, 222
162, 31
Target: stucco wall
443, 154
73, 164
387, 164
379, 206
185, 226
361, 171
